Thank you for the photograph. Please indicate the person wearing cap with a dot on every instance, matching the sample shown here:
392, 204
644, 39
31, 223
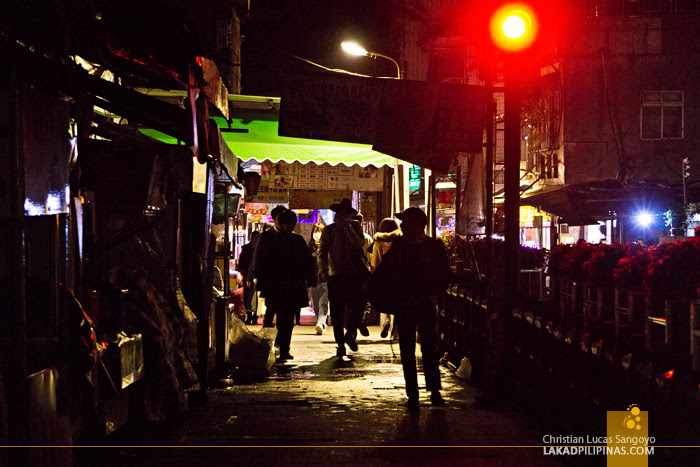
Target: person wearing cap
285, 269
414, 272
342, 265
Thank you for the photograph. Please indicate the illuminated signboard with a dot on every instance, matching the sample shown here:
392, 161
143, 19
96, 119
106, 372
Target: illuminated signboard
414, 176
528, 215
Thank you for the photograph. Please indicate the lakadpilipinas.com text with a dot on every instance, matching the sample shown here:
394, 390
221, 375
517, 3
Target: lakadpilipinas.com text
598, 445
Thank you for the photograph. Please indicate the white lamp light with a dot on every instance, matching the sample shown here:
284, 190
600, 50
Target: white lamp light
353, 48
644, 219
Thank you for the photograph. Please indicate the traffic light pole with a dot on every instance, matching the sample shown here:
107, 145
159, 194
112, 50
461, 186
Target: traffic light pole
512, 101
507, 285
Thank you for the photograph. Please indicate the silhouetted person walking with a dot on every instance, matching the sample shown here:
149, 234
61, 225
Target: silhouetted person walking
341, 262
285, 269
269, 317
245, 261
367, 252
409, 280
319, 294
387, 232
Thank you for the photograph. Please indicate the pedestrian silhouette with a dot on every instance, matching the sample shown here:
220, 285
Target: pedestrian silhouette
319, 294
245, 262
341, 262
387, 232
268, 232
285, 270
407, 283
367, 252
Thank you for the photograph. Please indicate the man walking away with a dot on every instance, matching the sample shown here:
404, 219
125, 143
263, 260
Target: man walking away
415, 272
285, 269
268, 319
341, 263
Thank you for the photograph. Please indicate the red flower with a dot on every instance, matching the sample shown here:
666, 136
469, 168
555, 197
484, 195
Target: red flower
600, 268
631, 270
674, 269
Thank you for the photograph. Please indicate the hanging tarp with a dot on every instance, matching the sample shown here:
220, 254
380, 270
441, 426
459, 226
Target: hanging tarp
421, 122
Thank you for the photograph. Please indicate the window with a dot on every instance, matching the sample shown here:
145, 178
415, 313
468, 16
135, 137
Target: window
661, 116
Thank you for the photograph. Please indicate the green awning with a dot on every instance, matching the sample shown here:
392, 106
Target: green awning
253, 135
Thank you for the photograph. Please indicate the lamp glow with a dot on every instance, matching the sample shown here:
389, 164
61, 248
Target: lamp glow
644, 219
514, 27
353, 48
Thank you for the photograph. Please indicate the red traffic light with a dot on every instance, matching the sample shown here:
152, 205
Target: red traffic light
514, 27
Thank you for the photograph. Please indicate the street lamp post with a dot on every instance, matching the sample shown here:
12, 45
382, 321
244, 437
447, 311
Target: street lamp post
356, 49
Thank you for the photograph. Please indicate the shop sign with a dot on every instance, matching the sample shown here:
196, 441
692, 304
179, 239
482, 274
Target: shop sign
270, 195
447, 227
321, 199
306, 216
296, 176
529, 218
256, 208
414, 179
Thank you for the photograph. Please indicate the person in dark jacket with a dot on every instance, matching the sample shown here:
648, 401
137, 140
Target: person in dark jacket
386, 234
245, 261
415, 271
269, 315
341, 263
285, 270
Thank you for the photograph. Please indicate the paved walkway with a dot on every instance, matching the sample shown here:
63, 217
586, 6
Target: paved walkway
321, 410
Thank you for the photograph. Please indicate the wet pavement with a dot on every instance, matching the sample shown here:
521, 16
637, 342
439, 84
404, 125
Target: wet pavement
318, 409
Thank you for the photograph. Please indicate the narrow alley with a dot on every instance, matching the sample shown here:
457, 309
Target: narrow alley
318, 409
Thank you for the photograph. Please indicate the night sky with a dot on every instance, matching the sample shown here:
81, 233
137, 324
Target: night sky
314, 29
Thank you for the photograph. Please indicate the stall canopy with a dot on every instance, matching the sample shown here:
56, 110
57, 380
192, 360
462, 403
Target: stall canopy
253, 134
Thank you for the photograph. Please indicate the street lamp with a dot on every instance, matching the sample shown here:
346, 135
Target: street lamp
355, 49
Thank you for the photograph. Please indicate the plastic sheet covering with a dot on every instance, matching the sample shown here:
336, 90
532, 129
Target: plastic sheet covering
47, 151
215, 89
471, 212
124, 359
252, 352
168, 372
